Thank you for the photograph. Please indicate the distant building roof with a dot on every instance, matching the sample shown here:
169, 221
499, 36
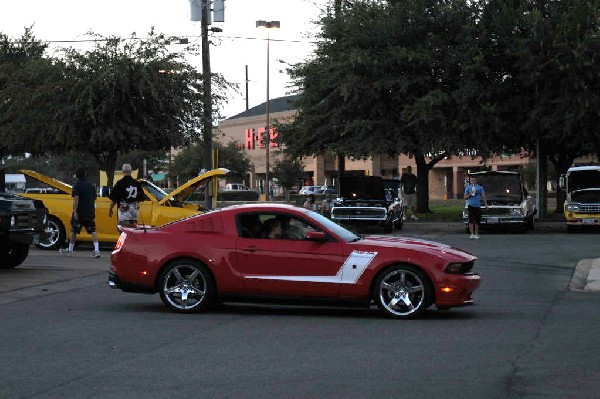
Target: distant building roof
279, 104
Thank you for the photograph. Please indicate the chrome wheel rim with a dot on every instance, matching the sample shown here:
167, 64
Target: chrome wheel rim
184, 287
51, 233
402, 292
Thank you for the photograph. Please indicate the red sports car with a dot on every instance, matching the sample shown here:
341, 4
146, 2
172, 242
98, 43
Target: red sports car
270, 251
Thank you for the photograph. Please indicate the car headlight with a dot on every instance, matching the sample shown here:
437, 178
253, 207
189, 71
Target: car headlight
516, 212
13, 221
573, 207
458, 267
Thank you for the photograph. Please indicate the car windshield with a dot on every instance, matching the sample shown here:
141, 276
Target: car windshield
153, 190
338, 230
583, 179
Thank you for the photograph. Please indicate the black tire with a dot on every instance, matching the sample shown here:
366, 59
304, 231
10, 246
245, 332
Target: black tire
186, 286
403, 291
55, 234
13, 254
387, 228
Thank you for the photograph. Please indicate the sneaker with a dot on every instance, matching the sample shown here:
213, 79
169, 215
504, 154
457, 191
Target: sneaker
477, 236
96, 254
403, 217
65, 251
472, 237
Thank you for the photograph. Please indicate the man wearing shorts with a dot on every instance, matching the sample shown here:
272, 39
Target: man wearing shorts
127, 195
84, 213
474, 194
408, 183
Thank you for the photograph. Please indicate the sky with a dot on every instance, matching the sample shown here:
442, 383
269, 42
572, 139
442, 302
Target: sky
240, 43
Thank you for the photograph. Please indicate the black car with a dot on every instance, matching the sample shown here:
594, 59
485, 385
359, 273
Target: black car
364, 201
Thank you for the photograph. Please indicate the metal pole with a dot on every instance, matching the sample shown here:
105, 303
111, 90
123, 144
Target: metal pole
207, 100
268, 130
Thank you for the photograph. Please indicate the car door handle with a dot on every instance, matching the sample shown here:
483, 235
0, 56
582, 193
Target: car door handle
249, 249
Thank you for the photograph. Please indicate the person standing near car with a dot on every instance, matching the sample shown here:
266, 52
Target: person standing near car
474, 194
326, 206
84, 213
127, 194
310, 203
408, 182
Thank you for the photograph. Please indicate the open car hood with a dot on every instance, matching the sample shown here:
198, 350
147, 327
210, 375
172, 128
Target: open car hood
50, 181
501, 187
183, 191
362, 188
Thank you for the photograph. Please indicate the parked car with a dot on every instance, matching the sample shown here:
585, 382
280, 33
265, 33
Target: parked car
329, 190
364, 201
160, 208
307, 190
582, 202
312, 258
235, 187
509, 204
22, 221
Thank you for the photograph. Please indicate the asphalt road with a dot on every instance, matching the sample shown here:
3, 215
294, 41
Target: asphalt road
64, 334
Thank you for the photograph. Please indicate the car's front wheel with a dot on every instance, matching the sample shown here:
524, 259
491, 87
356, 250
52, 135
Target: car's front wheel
54, 234
186, 286
403, 291
13, 254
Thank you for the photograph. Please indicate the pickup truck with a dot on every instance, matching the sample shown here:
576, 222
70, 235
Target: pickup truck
582, 204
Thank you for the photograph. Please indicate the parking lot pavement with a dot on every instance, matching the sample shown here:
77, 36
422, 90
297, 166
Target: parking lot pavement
48, 272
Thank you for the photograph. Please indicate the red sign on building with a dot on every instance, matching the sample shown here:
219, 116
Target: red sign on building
254, 138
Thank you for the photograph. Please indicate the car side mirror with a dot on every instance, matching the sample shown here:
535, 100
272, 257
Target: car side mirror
315, 236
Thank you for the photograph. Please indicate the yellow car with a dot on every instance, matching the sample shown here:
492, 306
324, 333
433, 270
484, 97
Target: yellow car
159, 209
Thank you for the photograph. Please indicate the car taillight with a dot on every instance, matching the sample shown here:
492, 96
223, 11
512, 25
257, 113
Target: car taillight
120, 242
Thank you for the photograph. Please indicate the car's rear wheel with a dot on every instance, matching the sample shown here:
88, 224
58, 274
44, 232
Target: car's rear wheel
403, 291
54, 235
186, 286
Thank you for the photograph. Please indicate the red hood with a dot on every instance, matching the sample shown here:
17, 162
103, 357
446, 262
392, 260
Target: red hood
409, 243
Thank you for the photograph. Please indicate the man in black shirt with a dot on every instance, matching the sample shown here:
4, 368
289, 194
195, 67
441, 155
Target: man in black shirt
84, 213
408, 182
127, 193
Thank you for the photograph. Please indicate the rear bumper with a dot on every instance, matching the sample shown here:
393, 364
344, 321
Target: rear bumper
115, 282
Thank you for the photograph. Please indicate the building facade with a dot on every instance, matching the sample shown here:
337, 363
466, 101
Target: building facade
446, 179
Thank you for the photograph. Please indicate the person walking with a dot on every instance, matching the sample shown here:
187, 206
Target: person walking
408, 182
474, 194
127, 193
84, 213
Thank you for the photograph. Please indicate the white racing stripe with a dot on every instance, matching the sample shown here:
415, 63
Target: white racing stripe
349, 272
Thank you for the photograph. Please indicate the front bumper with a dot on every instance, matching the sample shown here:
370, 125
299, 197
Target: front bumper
582, 219
456, 290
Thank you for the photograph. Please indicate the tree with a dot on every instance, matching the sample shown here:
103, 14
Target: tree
189, 161
122, 95
386, 78
542, 57
18, 57
288, 171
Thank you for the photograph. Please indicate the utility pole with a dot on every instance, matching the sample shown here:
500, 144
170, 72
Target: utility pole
207, 99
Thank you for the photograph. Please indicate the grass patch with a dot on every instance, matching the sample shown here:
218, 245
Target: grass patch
450, 211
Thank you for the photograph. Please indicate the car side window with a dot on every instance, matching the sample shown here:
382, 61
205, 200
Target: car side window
273, 226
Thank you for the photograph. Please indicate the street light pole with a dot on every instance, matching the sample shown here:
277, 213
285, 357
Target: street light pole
207, 99
268, 25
